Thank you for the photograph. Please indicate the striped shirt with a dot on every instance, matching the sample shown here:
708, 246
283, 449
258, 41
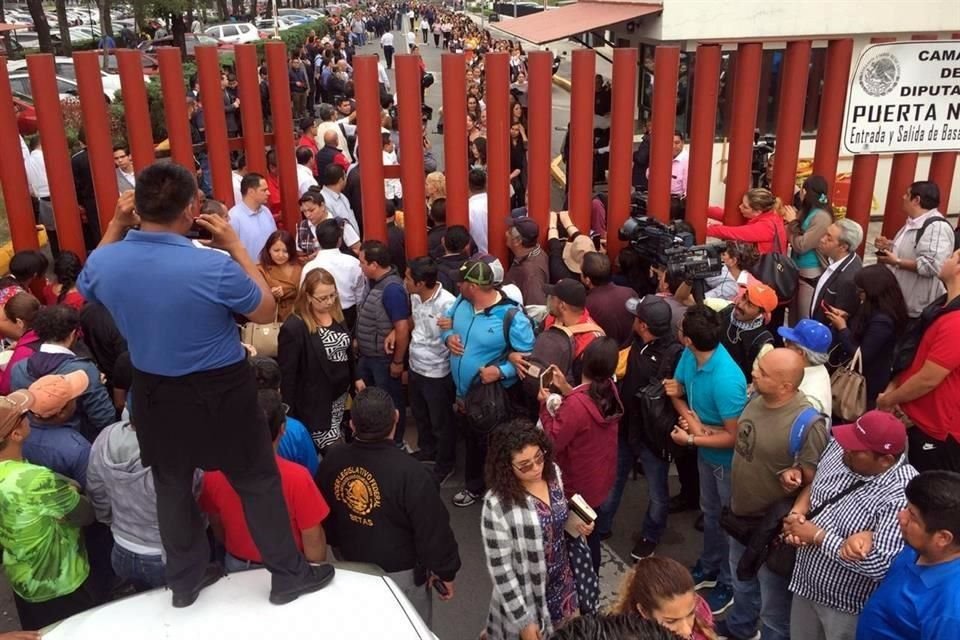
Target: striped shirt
821, 575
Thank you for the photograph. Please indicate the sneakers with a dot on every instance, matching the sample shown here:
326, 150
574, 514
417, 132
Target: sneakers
702, 579
319, 576
724, 633
465, 498
211, 574
441, 476
720, 598
643, 549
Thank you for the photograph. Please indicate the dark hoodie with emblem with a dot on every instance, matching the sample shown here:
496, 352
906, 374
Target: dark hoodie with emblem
385, 509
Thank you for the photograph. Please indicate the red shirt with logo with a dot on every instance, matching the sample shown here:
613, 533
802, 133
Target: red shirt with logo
938, 412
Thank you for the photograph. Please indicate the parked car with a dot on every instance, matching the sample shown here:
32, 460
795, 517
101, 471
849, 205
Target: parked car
26, 114
235, 33
192, 41
237, 607
67, 88
65, 69
266, 24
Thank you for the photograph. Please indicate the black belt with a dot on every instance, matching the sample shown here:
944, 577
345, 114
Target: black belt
47, 199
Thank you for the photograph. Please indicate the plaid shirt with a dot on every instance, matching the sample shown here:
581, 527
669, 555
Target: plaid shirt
306, 238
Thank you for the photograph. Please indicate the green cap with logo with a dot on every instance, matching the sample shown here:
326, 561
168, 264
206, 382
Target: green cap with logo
477, 272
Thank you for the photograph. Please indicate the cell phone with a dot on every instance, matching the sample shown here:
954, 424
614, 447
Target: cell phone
881, 252
440, 588
198, 232
546, 378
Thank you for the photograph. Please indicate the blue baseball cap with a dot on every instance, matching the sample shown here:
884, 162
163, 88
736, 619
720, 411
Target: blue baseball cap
809, 334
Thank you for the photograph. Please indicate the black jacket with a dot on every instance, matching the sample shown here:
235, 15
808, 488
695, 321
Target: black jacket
309, 381
839, 289
385, 509
655, 360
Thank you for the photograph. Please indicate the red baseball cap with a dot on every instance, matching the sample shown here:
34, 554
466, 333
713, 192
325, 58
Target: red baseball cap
876, 431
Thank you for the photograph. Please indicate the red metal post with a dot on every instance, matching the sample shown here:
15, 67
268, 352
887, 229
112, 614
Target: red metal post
664, 119
903, 171
175, 106
96, 124
56, 154
793, 84
862, 180
251, 114
942, 166
13, 173
497, 70
456, 162
283, 136
621, 144
832, 103
580, 156
743, 115
369, 143
706, 90
411, 156
218, 149
539, 137
136, 111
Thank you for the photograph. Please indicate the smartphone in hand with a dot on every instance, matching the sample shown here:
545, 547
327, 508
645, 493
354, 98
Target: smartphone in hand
546, 378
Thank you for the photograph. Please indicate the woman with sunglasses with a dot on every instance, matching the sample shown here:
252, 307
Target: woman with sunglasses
316, 362
524, 513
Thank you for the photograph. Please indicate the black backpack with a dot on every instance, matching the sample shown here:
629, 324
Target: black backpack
906, 347
656, 415
934, 220
556, 346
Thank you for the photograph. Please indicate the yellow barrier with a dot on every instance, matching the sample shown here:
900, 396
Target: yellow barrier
6, 251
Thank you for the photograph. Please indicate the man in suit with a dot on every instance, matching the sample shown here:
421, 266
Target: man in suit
835, 286
126, 178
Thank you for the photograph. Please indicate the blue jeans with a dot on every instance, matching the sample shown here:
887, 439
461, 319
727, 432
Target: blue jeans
145, 572
608, 509
765, 598
233, 564
375, 371
656, 471
714, 496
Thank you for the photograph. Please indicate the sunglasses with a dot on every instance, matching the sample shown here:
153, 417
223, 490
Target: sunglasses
529, 465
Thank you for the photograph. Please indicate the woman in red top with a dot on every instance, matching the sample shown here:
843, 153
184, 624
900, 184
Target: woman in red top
584, 427
661, 589
66, 267
764, 225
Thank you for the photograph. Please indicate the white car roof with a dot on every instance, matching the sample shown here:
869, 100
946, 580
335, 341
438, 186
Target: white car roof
354, 605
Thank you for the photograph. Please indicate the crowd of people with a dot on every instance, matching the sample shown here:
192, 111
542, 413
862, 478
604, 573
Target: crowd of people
813, 426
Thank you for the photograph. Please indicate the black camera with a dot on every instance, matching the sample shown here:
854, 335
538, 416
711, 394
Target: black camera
697, 262
671, 247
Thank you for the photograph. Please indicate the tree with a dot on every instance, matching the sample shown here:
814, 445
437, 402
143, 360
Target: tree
65, 46
40, 25
106, 20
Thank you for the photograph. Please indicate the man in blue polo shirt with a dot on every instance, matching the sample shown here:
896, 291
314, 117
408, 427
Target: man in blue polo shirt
920, 597
709, 393
250, 217
195, 393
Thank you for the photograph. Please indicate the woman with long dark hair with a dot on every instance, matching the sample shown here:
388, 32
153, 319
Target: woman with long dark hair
583, 426
805, 228
874, 326
20, 310
661, 590
518, 165
66, 268
316, 362
279, 266
522, 524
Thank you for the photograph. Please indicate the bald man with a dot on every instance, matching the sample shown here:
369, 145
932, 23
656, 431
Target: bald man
764, 473
330, 153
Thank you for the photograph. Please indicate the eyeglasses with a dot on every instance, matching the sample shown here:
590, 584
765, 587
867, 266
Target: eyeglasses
529, 465
324, 299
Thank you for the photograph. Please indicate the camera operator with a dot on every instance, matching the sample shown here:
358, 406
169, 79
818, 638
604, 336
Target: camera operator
566, 254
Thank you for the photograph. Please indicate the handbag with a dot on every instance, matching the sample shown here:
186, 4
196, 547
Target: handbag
778, 271
849, 388
486, 405
584, 577
262, 337
782, 557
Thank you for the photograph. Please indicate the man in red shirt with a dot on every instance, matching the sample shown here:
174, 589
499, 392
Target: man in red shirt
308, 136
927, 391
305, 504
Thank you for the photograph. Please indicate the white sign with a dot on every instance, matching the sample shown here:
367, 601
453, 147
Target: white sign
904, 96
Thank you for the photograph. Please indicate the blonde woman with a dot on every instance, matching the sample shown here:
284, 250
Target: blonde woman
435, 187
316, 363
764, 227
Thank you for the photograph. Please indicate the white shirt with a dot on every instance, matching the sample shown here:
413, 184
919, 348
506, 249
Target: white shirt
391, 186
429, 355
816, 385
253, 227
910, 225
237, 179
477, 207
411, 40
346, 272
833, 266
382, 76
37, 174
24, 149
386, 40
129, 177
339, 207
305, 179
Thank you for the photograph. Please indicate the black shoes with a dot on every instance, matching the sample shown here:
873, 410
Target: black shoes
211, 574
319, 577
643, 549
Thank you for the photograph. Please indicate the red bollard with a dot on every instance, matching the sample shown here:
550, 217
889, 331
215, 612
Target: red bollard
370, 147
743, 120
497, 70
13, 173
580, 167
666, 70
793, 83
830, 123
96, 123
706, 89
539, 137
56, 154
218, 149
621, 145
903, 172
284, 141
251, 113
175, 107
411, 156
455, 138
136, 112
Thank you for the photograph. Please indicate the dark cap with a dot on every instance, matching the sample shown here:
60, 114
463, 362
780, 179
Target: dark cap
527, 227
652, 310
568, 290
477, 272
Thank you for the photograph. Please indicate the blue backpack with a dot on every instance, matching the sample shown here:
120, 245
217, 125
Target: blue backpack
801, 424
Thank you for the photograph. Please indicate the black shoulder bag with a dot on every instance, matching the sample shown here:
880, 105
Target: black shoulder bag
487, 405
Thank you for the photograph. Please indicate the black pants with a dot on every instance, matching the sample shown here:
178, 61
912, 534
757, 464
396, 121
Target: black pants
36, 615
388, 56
436, 39
476, 444
689, 474
928, 454
431, 401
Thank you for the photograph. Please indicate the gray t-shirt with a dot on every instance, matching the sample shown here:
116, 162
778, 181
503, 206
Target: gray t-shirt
762, 451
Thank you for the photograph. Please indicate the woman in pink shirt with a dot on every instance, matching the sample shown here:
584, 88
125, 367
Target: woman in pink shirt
661, 590
764, 225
